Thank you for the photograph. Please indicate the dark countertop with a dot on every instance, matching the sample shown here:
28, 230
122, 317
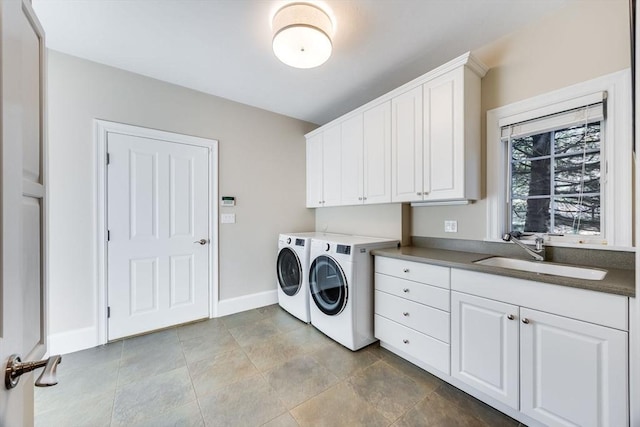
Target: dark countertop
617, 281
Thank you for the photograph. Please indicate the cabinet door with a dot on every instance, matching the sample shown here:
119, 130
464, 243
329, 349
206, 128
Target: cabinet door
331, 166
377, 154
406, 142
351, 191
314, 171
484, 346
572, 373
443, 144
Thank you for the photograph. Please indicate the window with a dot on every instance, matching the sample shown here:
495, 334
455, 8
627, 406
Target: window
559, 164
555, 173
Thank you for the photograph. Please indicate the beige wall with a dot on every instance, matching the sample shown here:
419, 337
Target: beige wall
371, 220
261, 162
586, 40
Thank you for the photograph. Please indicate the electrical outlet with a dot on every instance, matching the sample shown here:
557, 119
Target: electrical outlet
451, 226
227, 218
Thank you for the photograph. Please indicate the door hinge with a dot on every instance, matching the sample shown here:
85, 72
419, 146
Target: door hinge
108, 235
108, 159
108, 312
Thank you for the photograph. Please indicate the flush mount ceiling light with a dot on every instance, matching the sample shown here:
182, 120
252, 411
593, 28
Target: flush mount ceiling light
302, 35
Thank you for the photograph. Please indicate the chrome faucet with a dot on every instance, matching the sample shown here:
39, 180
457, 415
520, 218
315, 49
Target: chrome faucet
538, 253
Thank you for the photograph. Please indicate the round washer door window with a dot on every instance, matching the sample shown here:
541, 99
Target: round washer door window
328, 285
289, 272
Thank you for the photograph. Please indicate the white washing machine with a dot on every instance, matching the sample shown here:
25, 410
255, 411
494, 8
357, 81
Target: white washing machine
341, 287
292, 272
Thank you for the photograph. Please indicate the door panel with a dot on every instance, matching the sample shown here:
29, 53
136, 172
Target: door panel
31, 272
181, 196
23, 272
144, 195
158, 210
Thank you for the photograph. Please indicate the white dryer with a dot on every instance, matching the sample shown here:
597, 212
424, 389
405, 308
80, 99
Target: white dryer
341, 287
292, 272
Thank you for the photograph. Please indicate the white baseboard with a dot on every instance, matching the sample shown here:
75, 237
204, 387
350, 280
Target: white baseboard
75, 340
247, 302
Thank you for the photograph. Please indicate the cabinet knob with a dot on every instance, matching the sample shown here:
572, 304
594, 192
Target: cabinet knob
511, 317
406, 270
405, 290
419, 193
525, 321
405, 313
359, 198
405, 341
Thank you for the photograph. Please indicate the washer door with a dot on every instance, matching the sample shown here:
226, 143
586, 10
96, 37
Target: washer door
328, 285
289, 272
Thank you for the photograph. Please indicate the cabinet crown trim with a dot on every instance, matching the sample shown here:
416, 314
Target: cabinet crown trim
467, 59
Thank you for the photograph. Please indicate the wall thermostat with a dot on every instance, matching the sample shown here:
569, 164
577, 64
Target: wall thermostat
228, 201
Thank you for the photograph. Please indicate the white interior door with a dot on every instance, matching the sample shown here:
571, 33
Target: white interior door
158, 245
22, 203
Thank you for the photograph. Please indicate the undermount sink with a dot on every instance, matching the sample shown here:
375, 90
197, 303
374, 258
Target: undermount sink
545, 268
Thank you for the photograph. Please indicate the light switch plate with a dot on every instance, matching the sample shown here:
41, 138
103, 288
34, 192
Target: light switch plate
228, 218
451, 226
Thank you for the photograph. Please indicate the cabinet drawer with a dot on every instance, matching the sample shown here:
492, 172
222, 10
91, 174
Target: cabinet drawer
428, 320
428, 350
425, 273
414, 291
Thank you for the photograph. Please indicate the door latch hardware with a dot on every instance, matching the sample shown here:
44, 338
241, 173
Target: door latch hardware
15, 368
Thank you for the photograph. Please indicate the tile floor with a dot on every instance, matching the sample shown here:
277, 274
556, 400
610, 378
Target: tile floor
258, 368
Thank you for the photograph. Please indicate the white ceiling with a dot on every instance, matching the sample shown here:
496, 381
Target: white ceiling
223, 47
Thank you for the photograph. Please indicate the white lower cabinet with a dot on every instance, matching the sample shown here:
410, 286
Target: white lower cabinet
553, 369
545, 354
572, 373
412, 310
484, 346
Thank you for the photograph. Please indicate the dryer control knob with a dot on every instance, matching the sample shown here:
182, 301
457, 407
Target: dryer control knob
328, 247
288, 240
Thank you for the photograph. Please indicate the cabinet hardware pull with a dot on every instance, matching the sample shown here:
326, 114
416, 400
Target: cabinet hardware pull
405, 313
359, 198
405, 341
418, 193
525, 321
406, 270
511, 317
405, 290
364, 198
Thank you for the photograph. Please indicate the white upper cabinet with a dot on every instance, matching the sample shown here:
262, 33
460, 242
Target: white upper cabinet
314, 171
323, 169
406, 142
436, 139
451, 137
420, 142
351, 151
377, 154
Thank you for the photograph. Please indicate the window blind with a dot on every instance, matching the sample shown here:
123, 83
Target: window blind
557, 116
589, 113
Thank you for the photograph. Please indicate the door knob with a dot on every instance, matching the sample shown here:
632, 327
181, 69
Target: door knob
15, 368
202, 241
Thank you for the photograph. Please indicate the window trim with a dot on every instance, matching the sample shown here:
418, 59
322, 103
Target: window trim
617, 184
